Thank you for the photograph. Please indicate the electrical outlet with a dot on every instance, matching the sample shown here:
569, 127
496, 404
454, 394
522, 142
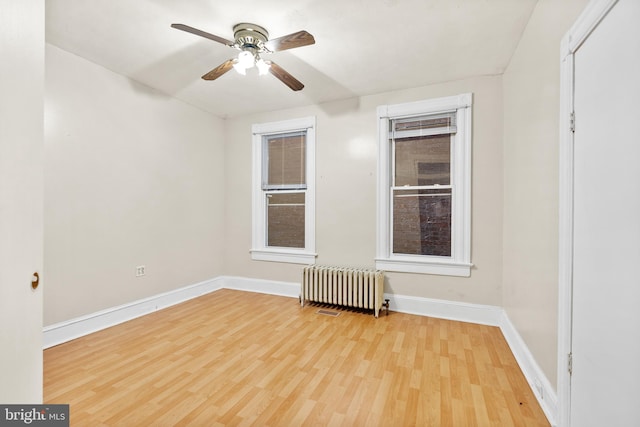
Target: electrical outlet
140, 271
540, 389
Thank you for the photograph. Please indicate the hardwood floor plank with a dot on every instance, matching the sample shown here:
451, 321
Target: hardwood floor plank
238, 358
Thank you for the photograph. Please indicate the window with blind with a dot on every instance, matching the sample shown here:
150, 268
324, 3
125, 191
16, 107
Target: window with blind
283, 220
284, 186
424, 187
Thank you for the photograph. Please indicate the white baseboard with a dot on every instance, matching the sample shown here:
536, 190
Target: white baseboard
443, 309
538, 381
271, 287
68, 330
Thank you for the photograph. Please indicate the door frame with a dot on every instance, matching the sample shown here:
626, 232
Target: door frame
593, 14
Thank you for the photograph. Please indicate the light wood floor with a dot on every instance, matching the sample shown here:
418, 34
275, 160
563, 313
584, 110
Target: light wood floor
239, 358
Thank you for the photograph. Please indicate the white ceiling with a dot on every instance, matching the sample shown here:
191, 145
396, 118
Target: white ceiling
362, 46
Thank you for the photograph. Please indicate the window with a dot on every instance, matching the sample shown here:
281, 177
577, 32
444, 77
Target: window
424, 187
284, 191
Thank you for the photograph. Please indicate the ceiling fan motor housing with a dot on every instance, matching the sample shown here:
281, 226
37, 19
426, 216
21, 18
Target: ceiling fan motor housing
250, 37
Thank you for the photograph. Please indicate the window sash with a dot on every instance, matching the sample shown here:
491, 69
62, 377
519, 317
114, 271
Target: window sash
421, 227
292, 234
394, 160
287, 180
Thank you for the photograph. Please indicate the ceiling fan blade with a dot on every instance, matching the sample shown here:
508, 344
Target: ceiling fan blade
219, 70
201, 33
299, 39
285, 77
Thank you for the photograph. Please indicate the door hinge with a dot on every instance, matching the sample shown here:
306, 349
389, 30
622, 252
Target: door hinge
572, 121
570, 363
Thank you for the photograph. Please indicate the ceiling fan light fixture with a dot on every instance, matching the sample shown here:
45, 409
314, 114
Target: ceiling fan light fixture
246, 59
239, 68
263, 66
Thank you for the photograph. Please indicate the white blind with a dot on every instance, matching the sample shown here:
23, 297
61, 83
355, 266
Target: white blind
432, 124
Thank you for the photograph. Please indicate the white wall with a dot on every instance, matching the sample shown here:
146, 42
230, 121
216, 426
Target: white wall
133, 177
346, 149
21, 149
531, 146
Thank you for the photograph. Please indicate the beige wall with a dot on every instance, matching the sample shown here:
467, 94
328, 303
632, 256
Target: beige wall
531, 144
133, 177
346, 149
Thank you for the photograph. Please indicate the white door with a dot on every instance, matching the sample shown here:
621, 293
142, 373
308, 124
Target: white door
605, 384
21, 199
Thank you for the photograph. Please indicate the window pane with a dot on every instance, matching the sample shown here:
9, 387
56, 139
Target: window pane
286, 160
422, 222
285, 220
423, 161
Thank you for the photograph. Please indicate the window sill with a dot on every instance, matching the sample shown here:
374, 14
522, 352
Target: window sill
283, 255
443, 268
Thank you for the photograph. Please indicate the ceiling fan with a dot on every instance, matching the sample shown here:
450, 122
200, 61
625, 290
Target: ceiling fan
252, 41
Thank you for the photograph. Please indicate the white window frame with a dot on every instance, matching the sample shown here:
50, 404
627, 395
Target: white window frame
259, 249
459, 263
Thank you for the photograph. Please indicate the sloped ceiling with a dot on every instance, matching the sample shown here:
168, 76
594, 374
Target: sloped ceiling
362, 46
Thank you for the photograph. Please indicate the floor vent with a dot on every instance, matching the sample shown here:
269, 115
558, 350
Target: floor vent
329, 313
